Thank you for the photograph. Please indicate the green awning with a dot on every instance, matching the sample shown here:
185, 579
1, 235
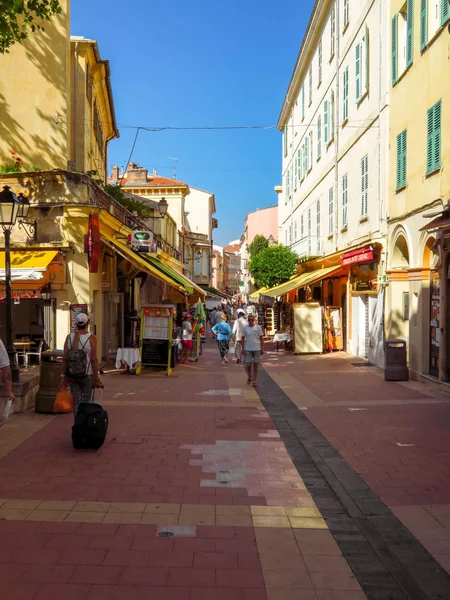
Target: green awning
168, 271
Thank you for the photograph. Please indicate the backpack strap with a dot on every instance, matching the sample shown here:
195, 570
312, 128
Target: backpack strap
87, 339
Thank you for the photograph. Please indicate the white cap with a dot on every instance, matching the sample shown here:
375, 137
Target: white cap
81, 319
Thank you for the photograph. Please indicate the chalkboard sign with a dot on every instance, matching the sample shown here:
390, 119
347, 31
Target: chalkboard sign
261, 315
75, 310
155, 352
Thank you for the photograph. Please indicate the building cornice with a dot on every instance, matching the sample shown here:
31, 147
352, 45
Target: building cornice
313, 31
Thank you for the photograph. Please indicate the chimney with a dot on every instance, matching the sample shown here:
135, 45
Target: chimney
155, 172
115, 173
136, 174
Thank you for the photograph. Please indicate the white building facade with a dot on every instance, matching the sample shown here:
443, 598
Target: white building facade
335, 124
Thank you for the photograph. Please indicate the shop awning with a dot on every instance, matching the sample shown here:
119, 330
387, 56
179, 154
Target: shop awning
255, 295
27, 265
300, 281
143, 264
440, 222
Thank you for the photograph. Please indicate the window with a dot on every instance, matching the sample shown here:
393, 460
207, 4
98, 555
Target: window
362, 67
345, 96
89, 83
320, 63
401, 160
309, 232
295, 174
346, 13
318, 225
331, 116
330, 211
290, 234
303, 102
434, 137
310, 84
288, 184
325, 122
394, 49
445, 11
332, 31
98, 132
344, 202
409, 32
285, 140
295, 230
319, 137
311, 135
299, 164
302, 228
306, 156
423, 24
364, 185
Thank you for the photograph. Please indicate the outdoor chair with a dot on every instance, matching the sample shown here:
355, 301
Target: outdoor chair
37, 353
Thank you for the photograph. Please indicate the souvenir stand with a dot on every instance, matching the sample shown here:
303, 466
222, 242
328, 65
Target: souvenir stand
155, 343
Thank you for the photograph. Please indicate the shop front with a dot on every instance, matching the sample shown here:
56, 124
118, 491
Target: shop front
366, 335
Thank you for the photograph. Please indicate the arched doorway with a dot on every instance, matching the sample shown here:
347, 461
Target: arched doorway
400, 254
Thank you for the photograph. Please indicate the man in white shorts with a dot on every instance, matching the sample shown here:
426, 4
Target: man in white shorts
252, 348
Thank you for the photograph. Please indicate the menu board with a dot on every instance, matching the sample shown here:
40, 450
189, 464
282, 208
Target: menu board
156, 328
261, 315
75, 310
155, 352
435, 318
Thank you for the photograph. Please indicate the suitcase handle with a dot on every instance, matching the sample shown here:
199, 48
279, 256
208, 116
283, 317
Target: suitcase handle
102, 391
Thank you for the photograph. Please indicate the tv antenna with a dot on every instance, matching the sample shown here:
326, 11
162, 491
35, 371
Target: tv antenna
175, 160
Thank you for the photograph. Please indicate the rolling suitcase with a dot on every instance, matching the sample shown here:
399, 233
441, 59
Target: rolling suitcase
91, 425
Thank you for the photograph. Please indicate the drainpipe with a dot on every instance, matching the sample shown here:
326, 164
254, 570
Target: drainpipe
336, 126
75, 103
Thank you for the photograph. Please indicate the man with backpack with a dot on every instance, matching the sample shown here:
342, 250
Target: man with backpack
80, 363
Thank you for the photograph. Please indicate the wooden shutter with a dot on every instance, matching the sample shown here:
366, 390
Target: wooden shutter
331, 109
423, 24
295, 173
344, 202
319, 137
437, 135
345, 96
325, 121
445, 11
330, 211
364, 185
430, 114
409, 32
401, 160
311, 152
366, 60
403, 165
358, 71
394, 49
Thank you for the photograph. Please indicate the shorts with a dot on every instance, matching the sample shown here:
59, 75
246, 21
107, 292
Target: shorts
252, 356
187, 344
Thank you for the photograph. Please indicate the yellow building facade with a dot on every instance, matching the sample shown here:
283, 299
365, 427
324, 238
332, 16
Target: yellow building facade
419, 183
56, 105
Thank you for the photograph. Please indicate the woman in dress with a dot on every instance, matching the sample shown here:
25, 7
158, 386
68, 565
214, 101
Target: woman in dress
223, 333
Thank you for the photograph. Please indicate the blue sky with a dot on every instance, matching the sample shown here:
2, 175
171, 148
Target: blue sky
201, 63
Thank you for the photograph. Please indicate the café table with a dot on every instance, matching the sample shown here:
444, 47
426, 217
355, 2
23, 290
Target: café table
280, 338
22, 348
130, 357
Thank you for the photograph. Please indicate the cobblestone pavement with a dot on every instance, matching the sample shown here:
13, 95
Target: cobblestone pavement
207, 489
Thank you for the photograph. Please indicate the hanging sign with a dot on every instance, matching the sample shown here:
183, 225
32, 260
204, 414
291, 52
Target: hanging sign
93, 243
362, 255
143, 241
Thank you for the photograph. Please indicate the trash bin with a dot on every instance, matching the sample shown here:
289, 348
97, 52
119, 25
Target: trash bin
50, 380
395, 367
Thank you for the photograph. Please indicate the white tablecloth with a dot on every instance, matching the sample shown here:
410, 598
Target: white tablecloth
130, 356
282, 337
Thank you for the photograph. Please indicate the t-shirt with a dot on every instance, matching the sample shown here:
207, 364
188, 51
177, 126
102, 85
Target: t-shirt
4, 358
187, 331
238, 328
252, 335
222, 330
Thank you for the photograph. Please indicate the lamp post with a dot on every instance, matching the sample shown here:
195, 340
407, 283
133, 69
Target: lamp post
10, 209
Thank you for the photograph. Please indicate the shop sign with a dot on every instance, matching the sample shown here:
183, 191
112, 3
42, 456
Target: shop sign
363, 255
143, 241
22, 295
93, 243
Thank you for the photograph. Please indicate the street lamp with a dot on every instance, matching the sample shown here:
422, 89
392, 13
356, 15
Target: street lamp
10, 205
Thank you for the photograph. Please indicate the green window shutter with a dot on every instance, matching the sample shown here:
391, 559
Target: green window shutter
430, 129
409, 32
399, 160
367, 59
345, 96
437, 135
423, 24
394, 49
319, 137
325, 121
358, 71
445, 11
285, 141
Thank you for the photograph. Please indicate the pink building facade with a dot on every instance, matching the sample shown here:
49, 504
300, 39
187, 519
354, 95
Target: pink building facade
263, 221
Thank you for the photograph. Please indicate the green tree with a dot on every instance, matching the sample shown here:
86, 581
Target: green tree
19, 17
259, 243
273, 265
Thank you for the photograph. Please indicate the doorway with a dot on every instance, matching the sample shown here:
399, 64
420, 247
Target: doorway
113, 325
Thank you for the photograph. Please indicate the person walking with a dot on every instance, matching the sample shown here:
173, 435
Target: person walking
252, 348
223, 332
80, 363
212, 319
219, 315
5, 369
186, 337
238, 330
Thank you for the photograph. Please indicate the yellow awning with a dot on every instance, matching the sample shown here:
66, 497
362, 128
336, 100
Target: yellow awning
29, 259
300, 281
256, 294
142, 264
